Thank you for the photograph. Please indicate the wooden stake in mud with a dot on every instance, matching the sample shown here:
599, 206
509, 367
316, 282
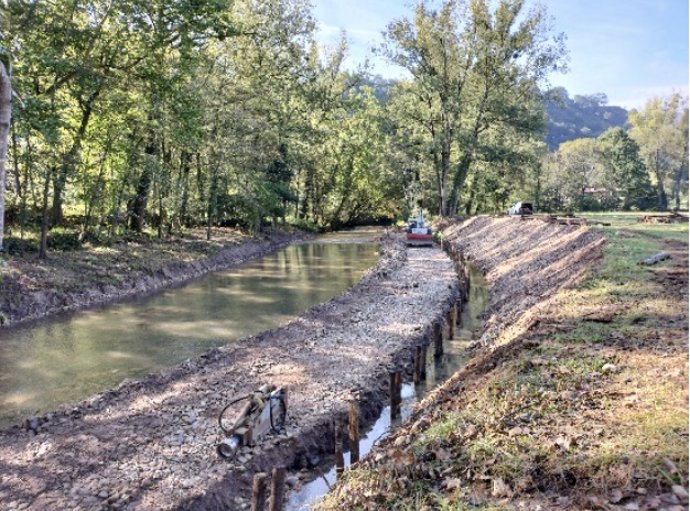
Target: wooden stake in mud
458, 312
339, 459
395, 389
452, 318
353, 432
416, 374
259, 491
438, 341
277, 489
422, 365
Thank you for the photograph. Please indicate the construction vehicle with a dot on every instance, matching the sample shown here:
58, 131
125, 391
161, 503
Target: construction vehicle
417, 233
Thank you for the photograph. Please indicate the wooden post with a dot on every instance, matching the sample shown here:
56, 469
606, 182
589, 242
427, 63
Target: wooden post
339, 459
458, 311
417, 364
277, 489
422, 364
452, 315
353, 432
395, 388
438, 341
259, 491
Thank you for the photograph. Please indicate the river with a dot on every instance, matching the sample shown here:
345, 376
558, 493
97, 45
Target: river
70, 357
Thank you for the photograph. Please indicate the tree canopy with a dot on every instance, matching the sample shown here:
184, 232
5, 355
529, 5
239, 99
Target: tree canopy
152, 116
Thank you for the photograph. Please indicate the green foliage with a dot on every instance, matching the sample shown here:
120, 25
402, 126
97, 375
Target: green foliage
602, 174
474, 92
170, 115
64, 240
661, 131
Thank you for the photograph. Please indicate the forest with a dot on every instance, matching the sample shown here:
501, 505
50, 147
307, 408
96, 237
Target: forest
127, 117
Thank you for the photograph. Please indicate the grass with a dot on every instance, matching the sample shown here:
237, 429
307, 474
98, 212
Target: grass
630, 222
596, 409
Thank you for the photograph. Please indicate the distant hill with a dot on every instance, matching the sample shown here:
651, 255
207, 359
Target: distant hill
568, 118
579, 117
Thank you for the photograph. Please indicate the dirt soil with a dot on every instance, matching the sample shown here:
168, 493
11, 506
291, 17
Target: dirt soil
151, 444
576, 398
69, 281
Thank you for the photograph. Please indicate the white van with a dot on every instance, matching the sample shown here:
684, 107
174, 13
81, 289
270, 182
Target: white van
521, 208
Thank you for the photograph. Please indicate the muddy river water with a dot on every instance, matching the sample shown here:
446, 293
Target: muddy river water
71, 357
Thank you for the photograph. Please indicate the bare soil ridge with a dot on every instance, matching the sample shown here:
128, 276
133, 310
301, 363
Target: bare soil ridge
576, 397
150, 444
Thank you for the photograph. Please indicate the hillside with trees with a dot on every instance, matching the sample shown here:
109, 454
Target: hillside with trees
153, 117
582, 116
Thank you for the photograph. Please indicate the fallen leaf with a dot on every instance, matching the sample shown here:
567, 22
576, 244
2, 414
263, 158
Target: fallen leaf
670, 466
680, 491
441, 454
616, 496
563, 442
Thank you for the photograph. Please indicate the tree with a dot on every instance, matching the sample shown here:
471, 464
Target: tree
626, 172
5, 116
473, 70
659, 130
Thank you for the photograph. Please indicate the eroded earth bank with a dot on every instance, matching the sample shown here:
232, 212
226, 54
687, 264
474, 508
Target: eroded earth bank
71, 281
576, 397
151, 444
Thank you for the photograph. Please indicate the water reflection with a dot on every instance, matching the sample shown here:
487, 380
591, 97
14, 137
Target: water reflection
75, 356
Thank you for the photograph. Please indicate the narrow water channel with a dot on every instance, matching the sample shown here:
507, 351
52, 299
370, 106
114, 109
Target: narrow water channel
438, 371
71, 357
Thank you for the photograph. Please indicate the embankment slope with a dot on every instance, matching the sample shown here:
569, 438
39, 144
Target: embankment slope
576, 397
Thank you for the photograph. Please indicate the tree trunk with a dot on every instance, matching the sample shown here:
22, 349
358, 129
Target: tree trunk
5, 117
459, 178
138, 204
69, 161
45, 220
662, 199
185, 167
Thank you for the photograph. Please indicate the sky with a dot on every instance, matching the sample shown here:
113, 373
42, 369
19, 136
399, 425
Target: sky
631, 50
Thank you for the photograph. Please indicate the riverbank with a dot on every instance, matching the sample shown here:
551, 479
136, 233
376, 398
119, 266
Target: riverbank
69, 281
576, 397
151, 444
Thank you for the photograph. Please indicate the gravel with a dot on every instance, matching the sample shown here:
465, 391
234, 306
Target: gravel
151, 443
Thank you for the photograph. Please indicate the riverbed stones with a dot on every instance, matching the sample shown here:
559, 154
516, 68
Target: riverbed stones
151, 444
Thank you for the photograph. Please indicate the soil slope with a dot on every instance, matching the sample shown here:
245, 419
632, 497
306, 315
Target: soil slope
576, 397
68, 281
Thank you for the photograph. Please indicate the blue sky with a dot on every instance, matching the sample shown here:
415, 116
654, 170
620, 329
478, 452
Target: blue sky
631, 50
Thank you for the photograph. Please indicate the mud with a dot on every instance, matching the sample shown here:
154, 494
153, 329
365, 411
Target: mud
150, 444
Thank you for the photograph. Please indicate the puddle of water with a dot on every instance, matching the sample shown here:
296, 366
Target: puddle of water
438, 371
71, 357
